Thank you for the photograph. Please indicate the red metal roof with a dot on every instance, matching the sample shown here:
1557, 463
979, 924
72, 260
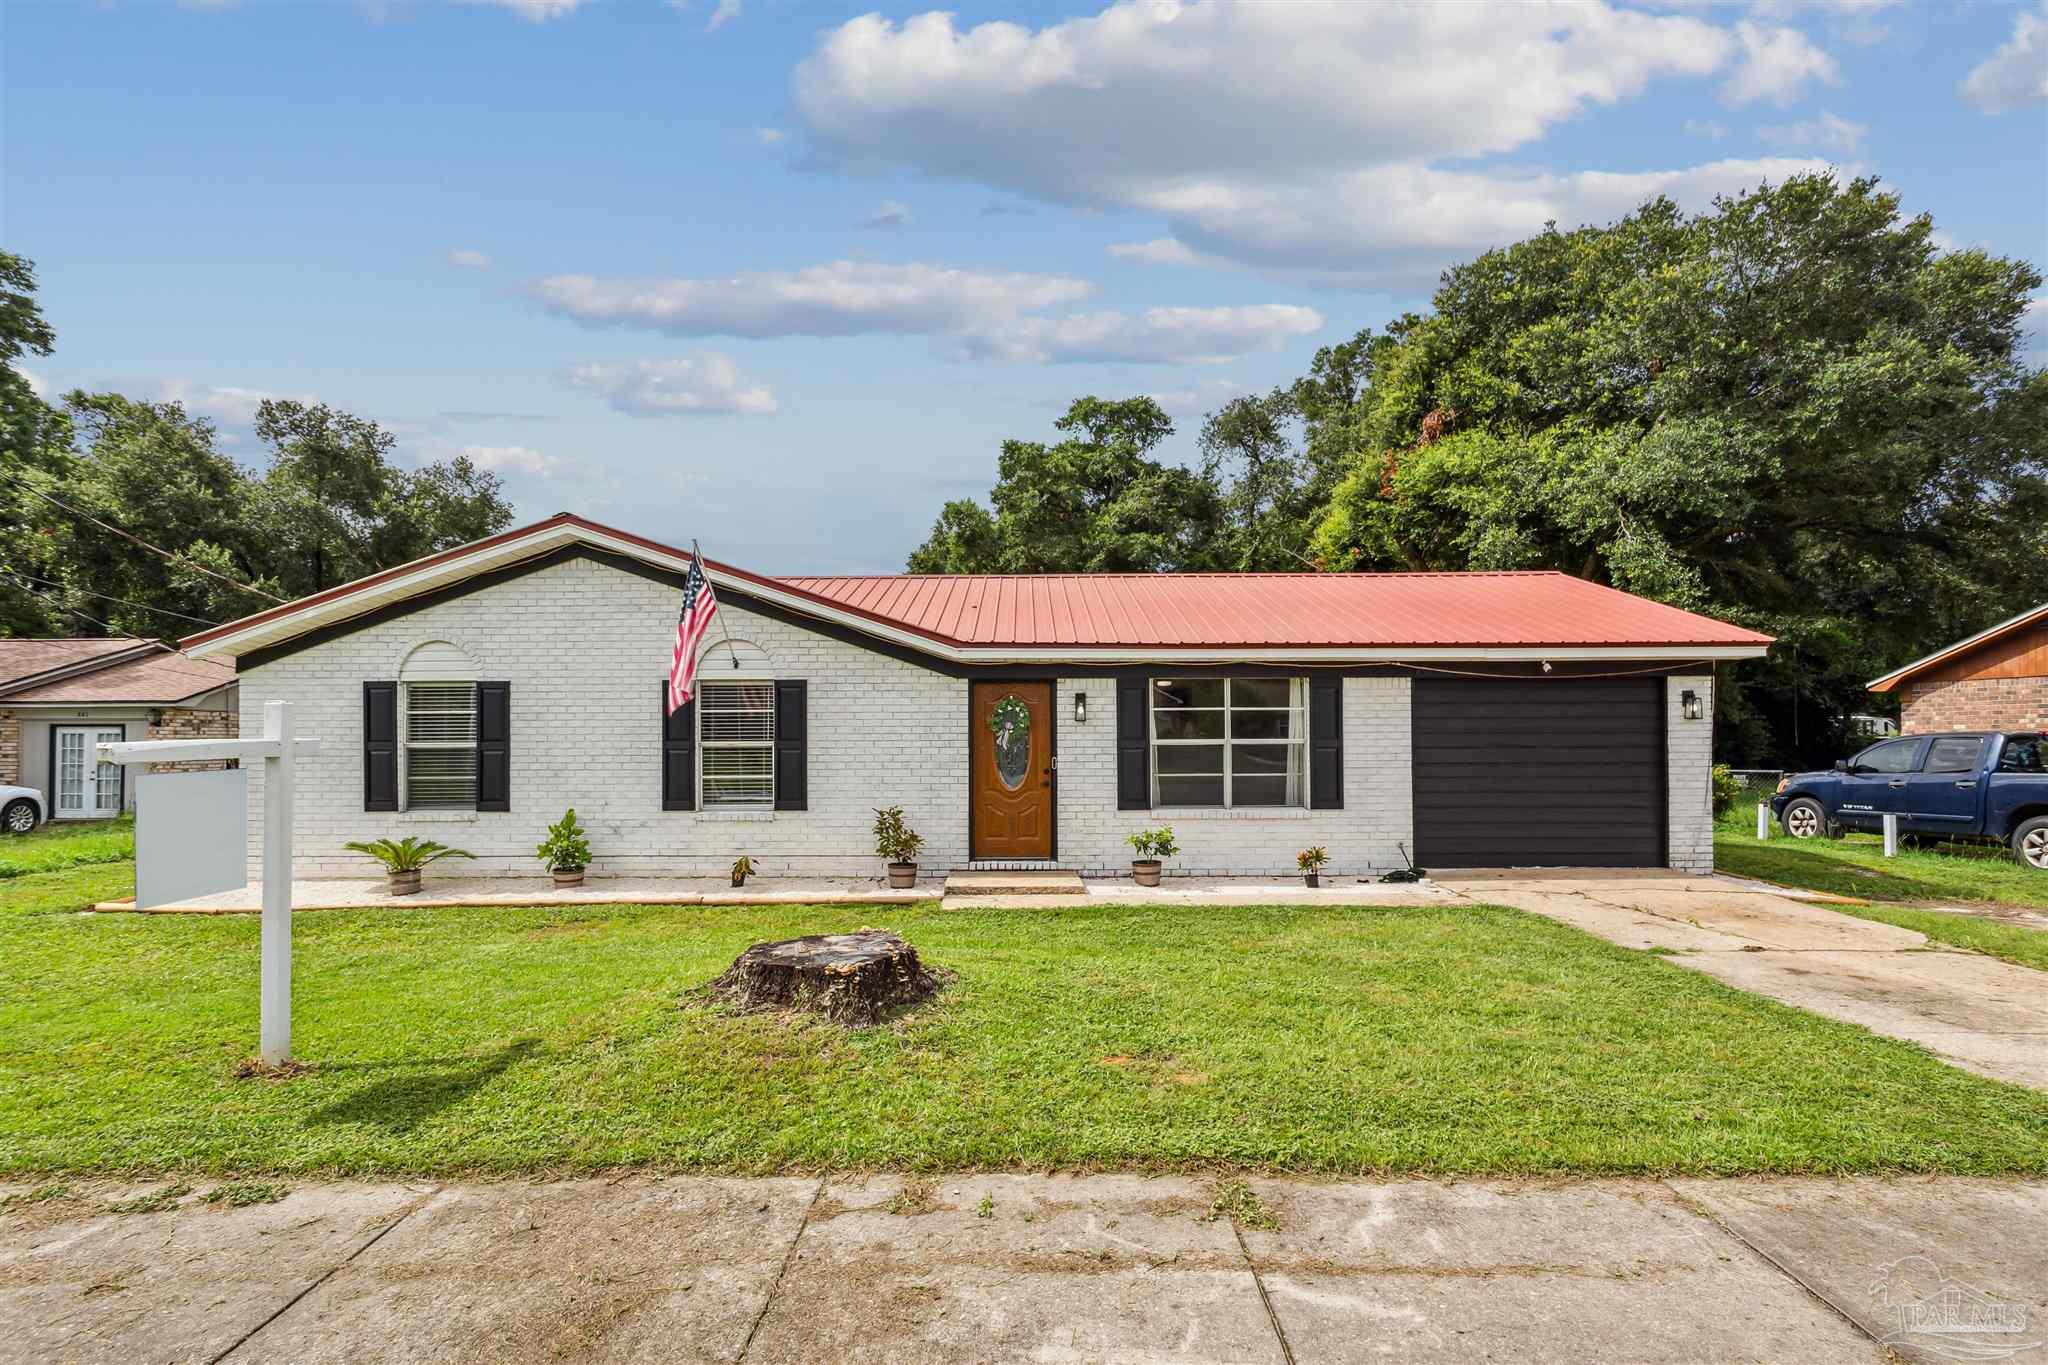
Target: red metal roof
1095, 611
1424, 610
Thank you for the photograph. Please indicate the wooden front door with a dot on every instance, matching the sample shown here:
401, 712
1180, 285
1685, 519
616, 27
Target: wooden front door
1010, 770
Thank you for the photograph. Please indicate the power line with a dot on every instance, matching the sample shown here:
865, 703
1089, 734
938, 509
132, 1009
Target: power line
73, 610
153, 549
27, 580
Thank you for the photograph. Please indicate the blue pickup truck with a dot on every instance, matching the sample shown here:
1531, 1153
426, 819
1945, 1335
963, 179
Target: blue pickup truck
1980, 785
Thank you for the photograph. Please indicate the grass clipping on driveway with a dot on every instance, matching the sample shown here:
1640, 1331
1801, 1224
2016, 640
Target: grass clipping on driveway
1434, 1039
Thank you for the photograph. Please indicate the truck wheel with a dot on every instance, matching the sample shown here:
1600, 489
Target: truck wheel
19, 817
2030, 843
1804, 819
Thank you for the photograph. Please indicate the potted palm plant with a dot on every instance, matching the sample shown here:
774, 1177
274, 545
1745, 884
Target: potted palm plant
742, 868
1150, 845
566, 850
896, 841
403, 859
1311, 861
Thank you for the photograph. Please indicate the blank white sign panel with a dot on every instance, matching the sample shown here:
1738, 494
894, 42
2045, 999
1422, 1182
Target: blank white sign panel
191, 835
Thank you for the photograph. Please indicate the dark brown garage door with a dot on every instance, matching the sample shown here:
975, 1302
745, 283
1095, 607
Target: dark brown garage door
1539, 772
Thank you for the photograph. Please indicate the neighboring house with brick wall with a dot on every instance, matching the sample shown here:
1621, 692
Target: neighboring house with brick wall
59, 698
1031, 721
1997, 679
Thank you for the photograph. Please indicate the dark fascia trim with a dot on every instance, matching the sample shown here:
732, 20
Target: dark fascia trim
1029, 672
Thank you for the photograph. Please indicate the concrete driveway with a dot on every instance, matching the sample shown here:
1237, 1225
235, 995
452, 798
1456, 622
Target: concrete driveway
1976, 1012
1018, 1267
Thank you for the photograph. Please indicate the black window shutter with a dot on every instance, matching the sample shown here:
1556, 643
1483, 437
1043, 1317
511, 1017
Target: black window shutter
380, 746
792, 744
678, 754
1326, 743
494, 746
1133, 746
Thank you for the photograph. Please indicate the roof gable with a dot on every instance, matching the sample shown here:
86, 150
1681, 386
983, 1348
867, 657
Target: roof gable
1955, 653
1091, 617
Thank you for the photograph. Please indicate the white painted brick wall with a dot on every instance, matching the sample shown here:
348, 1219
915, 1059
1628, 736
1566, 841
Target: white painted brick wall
585, 647
1689, 756
1378, 797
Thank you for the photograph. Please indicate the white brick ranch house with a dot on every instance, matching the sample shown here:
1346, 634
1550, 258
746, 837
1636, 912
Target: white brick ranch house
1487, 719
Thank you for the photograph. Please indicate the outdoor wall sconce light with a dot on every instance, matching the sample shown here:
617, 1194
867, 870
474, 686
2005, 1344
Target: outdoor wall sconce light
1689, 705
1080, 708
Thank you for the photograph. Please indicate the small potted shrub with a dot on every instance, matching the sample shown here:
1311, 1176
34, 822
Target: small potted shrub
404, 858
898, 842
1311, 861
566, 850
742, 868
1150, 845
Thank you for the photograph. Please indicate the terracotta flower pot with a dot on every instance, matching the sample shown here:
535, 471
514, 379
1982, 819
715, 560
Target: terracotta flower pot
1145, 871
404, 883
902, 876
568, 876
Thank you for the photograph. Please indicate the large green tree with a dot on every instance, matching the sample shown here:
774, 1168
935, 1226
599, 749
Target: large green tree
1793, 411
1095, 502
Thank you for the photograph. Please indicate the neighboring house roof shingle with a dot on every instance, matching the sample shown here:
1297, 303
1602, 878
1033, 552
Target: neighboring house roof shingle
983, 618
27, 658
97, 672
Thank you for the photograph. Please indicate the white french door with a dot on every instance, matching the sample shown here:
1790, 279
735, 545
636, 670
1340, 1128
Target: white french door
87, 789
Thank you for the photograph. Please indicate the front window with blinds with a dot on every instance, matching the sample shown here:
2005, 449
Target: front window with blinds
1229, 742
736, 745
439, 753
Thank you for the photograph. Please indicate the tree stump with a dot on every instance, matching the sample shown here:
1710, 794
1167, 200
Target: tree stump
852, 979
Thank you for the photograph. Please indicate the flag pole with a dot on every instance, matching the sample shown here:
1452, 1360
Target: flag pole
698, 556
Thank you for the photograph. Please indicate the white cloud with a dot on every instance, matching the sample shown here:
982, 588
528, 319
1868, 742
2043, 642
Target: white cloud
517, 460
701, 384
533, 11
1168, 336
722, 14
1707, 127
1158, 251
37, 385
1202, 398
1828, 133
993, 315
841, 298
1776, 65
2016, 74
888, 217
220, 402
1304, 140
769, 137
466, 259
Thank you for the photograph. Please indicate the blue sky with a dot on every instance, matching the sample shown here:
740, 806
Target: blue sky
782, 277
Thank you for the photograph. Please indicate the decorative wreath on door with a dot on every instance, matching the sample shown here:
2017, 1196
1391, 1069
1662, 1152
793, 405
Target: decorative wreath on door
1010, 720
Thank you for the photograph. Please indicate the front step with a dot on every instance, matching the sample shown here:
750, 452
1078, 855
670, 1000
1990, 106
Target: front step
1029, 882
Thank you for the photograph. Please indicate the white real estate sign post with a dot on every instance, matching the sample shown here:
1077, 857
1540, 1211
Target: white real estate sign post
279, 749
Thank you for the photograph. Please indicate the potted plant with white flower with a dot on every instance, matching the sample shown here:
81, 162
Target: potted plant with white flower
1150, 845
898, 843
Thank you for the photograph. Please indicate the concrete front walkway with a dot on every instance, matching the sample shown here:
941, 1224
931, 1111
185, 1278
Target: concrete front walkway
1050, 1268
1976, 1012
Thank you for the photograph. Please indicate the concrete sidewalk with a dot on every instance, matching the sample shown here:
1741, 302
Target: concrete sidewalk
1051, 1268
1973, 1011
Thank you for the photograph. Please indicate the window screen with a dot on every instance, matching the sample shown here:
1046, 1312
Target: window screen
440, 746
736, 745
1229, 742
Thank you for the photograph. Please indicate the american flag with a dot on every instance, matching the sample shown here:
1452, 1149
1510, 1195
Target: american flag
698, 608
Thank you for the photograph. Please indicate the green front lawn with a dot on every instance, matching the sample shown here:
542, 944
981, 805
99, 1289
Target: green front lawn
56, 845
1443, 1039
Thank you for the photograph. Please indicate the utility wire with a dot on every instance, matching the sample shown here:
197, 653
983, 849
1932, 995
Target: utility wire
28, 580
153, 549
73, 610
